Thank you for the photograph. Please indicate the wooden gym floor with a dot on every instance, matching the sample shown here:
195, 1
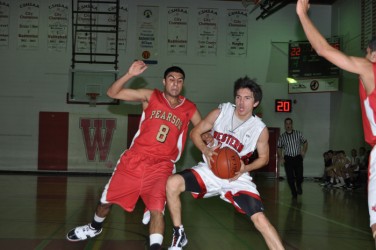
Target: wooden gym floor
37, 211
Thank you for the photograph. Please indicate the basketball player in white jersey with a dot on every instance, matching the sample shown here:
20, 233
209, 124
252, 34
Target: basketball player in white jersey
365, 67
237, 127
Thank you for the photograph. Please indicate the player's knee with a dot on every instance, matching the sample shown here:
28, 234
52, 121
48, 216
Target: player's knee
174, 184
260, 221
156, 214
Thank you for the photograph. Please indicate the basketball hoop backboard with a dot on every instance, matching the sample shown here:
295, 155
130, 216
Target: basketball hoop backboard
90, 87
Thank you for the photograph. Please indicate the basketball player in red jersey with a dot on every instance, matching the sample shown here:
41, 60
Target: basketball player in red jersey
155, 148
237, 127
366, 69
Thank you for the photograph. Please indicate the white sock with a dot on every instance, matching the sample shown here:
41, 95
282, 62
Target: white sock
98, 219
156, 238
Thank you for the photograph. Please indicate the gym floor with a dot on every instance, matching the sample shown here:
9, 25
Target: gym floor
38, 210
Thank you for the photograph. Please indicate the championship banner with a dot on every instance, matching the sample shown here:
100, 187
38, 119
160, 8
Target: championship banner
86, 39
207, 35
177, 31
122, 27
147, 33
57, 26
237, 33
4, 24
28, 25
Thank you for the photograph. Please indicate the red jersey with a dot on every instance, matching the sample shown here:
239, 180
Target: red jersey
368, 106
163, 129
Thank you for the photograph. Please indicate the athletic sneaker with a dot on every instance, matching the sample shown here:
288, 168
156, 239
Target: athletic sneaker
179, 239
82, 233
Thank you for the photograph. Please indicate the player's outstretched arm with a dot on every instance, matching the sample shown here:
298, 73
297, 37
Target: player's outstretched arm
321, 45
117, 90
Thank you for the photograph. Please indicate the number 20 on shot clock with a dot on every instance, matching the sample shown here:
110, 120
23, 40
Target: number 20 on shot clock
283, 106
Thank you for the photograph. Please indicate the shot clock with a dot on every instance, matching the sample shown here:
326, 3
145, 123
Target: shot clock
283, 105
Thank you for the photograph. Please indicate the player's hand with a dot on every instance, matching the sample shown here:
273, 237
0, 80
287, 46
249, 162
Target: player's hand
240, 172
211, 152
137, 68
302, 7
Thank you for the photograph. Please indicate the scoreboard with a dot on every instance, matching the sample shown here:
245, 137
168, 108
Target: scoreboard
304, 62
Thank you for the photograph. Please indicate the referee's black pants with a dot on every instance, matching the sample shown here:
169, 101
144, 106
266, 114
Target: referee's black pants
294, 173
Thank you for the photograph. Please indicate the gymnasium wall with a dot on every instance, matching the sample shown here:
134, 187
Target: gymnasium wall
34, 82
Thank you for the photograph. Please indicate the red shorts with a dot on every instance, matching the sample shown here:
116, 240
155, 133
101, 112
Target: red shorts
138, 175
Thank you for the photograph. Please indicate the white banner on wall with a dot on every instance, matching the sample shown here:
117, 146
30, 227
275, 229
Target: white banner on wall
57, 25
314, 85
147, 33
237, 32
207, 32
86, 39
177, 31
122, 27
28, 25
4, 24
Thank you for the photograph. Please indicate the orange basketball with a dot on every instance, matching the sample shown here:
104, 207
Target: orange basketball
226, 163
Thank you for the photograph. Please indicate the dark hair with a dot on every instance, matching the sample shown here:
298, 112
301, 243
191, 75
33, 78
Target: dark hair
372, 44
288, 119
174, 69
245, 82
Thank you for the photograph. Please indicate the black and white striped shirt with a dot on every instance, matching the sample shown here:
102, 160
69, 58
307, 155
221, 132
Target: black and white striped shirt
291, 143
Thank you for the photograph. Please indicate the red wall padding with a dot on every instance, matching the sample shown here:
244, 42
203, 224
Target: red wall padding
53, 141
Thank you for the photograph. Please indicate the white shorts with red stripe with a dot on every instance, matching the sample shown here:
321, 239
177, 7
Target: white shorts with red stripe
211, 185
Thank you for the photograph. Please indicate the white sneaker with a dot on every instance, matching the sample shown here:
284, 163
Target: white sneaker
82, 233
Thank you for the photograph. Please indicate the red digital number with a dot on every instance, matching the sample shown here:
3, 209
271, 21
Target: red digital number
295, 51
283, 106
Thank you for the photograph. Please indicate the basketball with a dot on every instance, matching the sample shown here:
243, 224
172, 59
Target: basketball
226, 163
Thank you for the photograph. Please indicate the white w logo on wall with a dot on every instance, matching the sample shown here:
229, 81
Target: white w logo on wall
97, 136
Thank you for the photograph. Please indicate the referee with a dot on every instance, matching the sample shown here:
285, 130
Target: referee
292, 147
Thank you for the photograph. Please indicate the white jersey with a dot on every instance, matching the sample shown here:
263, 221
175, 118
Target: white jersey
242, 138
